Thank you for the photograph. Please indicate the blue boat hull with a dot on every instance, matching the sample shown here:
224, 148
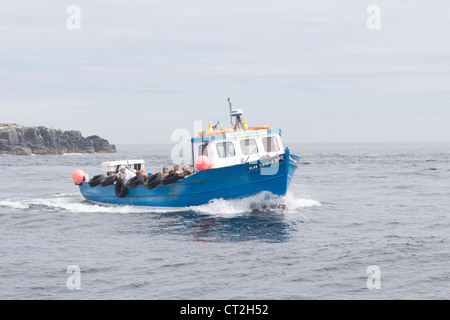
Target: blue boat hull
270, 174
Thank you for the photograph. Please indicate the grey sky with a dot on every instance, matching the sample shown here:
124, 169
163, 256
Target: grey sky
137, 70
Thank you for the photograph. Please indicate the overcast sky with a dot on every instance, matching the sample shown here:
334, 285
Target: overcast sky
138, 70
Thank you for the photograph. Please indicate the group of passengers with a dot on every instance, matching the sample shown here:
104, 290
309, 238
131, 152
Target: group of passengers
184, 172
126, 174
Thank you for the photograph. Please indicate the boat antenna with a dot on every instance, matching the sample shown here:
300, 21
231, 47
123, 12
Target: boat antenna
231, 108
237, 125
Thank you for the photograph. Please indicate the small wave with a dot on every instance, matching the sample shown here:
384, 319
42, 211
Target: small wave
65, 202
75, 154
14, 204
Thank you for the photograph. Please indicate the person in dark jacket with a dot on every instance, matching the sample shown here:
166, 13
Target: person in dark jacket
175, 169
184, 172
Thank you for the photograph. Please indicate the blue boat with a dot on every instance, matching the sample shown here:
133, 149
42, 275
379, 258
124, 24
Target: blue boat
238, 162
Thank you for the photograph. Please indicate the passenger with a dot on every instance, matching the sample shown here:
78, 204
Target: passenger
143, 173
164, 172
175, 169
125, 174
192, 169
185, 172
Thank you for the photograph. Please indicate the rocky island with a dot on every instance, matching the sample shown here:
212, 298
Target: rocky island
20, 140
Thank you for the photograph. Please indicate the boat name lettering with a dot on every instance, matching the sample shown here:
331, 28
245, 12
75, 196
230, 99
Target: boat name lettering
267, 163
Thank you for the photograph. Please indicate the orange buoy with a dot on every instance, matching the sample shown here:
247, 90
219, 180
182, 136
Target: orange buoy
78, 176
203, 163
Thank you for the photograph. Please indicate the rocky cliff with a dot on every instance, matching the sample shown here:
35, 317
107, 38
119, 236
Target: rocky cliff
19, 140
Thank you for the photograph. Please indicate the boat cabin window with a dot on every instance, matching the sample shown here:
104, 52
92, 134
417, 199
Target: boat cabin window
225, 149
270, 144
249, 146
202, 150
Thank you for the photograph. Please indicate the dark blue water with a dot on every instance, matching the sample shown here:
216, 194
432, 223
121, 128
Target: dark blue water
350, 206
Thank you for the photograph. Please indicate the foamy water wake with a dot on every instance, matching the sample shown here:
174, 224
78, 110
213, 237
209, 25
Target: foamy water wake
264, 202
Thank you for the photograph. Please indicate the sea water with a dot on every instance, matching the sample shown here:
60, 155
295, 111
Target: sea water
360, 221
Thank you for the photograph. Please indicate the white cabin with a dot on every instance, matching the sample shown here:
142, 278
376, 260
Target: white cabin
228, 147
113, 166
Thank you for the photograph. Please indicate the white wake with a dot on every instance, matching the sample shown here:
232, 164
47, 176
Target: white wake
263, 202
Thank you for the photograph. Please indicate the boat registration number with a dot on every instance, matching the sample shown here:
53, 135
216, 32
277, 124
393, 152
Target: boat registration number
280, 158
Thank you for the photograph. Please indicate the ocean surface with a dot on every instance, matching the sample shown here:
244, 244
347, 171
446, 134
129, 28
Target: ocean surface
361, 221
